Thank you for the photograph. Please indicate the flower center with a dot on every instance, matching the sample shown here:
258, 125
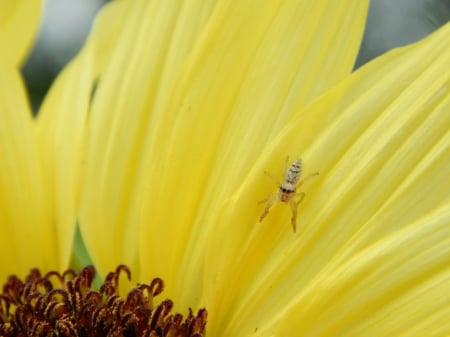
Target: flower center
66, 305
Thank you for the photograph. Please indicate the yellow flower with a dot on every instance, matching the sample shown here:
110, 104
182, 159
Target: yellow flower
156, 137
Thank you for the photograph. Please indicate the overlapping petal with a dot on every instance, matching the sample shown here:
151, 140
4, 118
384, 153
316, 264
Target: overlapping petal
186, 85
19, 22
170, 116
27, 231
371, 254
26, 227
139, 75
62, 122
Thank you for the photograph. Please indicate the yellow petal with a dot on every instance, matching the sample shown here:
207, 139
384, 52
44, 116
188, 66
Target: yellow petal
398, 286
110, 206
380, 142
61, 126
19, 21
221, 130
187, 85
26, 230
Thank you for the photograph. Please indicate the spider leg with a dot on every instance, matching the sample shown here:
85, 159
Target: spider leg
294, 206
270, 202
300, 199
271, 176
286, 164
307, 178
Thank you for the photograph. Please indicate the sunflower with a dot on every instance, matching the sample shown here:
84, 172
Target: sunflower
154, 141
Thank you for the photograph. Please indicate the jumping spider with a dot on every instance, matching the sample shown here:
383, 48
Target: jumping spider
287, 190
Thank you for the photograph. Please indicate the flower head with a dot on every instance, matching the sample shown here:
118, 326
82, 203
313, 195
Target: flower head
170, 115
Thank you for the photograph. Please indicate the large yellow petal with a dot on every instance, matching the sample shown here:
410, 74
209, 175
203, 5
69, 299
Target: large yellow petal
61, 126
373, 228
144, 60
187, 85
19, 21
26, 227
224, 124
398, 286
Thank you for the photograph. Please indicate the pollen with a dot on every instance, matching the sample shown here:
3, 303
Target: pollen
66, 305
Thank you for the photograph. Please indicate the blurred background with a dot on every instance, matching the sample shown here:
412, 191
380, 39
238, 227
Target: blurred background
64, 28
66, 24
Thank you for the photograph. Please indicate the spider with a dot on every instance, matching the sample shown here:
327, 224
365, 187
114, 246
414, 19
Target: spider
288, 190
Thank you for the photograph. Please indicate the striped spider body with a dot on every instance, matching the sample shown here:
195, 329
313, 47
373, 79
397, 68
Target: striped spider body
287, 191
